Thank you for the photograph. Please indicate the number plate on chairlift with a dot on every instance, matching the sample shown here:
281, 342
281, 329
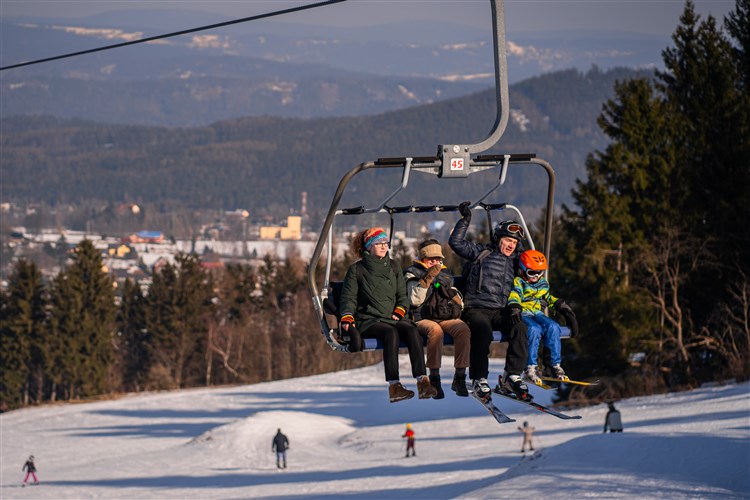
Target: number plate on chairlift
455, 161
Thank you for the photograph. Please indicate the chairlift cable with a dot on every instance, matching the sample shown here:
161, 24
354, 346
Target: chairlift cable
176, 33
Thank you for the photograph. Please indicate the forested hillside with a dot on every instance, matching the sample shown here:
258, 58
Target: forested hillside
263, 164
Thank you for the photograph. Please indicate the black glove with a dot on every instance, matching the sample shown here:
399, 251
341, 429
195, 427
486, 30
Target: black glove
515, 314
570, 318
464, 210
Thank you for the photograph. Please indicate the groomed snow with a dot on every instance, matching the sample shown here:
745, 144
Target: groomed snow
346, 443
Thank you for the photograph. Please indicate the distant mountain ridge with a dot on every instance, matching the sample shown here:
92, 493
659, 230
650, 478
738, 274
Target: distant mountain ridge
264, 163
273, 68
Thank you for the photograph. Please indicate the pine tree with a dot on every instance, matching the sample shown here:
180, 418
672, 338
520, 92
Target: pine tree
134, 337
737, 24
177, 307
672, 185
702, 81
626, 199
82, 324
23, 327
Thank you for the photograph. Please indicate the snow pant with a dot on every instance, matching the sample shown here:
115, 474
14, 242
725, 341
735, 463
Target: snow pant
482, 322
526, 440
281, 458
541, 328
435, 330
391, 337
410, 446
30, 473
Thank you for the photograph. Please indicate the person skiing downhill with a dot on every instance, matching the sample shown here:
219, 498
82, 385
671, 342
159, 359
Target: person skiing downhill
409, 435
527, 435
30, 469
280, 445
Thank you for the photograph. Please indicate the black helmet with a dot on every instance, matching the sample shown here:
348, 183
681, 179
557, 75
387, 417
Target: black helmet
509, 228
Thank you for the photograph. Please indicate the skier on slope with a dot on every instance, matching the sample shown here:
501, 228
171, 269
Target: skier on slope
527, 435
409, 435
280, 445
30, 469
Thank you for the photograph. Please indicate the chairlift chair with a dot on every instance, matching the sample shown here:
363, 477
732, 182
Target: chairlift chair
452, 161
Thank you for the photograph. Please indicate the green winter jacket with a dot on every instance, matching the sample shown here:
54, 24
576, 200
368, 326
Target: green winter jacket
376, 296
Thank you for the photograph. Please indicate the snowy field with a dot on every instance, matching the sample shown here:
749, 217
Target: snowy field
346, 443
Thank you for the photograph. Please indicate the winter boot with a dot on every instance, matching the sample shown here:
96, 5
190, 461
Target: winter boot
481, 388
397, 392
531, 375
459, 385
425, 389
559, 373
435, 382
514, 386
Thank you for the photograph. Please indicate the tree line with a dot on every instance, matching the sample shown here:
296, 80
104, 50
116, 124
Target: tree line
77, 336
655, 251
652, 254
262, 164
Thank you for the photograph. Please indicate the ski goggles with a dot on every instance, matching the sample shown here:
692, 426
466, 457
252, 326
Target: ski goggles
516, 229
533, 274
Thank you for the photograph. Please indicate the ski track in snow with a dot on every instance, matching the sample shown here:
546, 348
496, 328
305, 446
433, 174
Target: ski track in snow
345, 442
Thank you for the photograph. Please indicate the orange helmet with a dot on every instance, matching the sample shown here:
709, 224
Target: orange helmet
533, 262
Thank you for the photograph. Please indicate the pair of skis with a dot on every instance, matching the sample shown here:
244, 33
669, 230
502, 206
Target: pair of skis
503, 418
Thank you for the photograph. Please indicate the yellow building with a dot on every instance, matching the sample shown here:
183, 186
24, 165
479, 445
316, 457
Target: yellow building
292, 230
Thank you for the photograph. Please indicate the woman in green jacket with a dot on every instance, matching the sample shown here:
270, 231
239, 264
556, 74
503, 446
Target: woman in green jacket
373, 304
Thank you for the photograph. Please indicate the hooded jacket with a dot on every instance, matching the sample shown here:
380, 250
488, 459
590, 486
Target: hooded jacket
497, 271
375, 297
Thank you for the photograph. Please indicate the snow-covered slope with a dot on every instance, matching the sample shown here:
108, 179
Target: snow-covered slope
346, 443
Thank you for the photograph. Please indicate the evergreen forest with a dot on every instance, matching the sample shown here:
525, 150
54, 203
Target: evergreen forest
651, 252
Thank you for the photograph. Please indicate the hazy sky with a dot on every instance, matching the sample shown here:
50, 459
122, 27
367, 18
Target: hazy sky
646, 16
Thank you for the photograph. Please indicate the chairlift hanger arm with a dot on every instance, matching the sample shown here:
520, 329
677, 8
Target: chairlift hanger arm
456, 158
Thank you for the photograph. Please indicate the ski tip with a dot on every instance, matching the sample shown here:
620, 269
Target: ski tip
543, 385
570, 381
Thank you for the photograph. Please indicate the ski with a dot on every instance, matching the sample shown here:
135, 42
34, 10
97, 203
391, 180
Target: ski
537, 406
574, 382
496, 412
542, 385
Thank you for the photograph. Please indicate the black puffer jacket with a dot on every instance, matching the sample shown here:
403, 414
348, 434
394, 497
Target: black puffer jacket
497, 270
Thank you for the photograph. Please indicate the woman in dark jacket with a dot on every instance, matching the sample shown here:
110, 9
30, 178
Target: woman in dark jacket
373, 304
